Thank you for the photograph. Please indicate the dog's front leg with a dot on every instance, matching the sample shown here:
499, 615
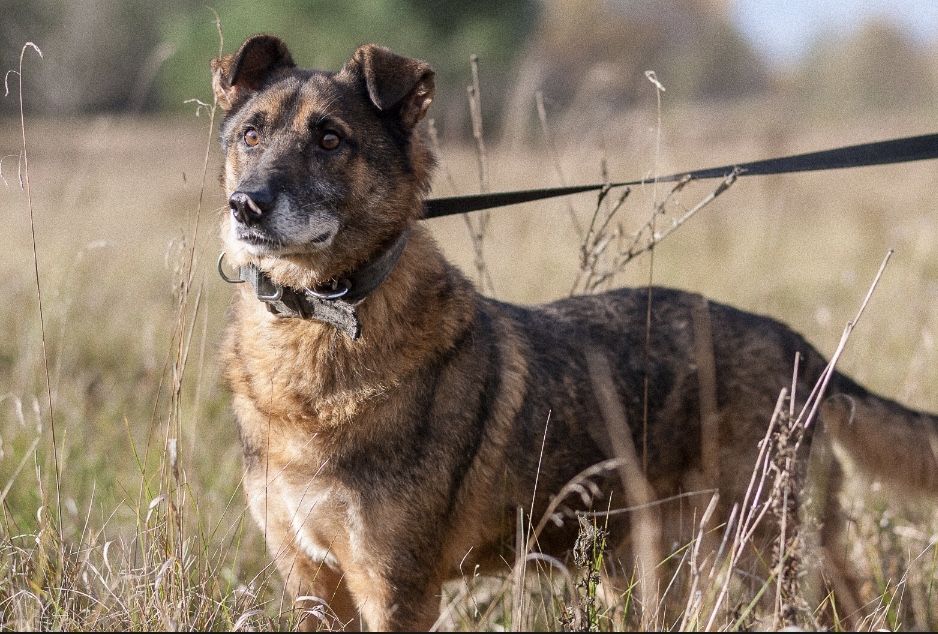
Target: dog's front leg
391, 598
311, 573
319, 593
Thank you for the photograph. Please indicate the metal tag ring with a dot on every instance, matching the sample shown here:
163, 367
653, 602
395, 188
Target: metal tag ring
341, 290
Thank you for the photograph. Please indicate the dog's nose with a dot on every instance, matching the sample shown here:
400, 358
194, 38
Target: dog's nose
248, 207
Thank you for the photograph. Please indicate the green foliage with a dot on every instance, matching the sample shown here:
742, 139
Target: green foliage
324, 33
137, 55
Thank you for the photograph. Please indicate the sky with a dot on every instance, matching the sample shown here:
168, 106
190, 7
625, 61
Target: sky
786, 28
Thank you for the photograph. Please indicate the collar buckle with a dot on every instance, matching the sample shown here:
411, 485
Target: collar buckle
266, 290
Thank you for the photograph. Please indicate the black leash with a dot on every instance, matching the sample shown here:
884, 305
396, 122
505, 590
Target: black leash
915, 148
336, 306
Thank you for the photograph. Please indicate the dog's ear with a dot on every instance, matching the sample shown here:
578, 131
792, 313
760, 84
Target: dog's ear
236, 76
394, 82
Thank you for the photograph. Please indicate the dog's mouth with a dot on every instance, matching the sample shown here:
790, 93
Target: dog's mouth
259, 243
255, 239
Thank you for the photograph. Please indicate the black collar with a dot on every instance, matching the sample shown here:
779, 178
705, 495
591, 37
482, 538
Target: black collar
333, 303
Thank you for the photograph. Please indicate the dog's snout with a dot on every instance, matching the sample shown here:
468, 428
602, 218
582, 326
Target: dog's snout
248, 207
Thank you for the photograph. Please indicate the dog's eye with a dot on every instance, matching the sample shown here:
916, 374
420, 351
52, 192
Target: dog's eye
251, 137
329, 140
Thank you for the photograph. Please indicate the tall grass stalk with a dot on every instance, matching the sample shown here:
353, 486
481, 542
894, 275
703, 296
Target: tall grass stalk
42, 321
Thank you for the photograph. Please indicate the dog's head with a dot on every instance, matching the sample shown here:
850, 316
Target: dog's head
322, 169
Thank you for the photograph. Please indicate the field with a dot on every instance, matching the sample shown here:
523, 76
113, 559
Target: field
148, 501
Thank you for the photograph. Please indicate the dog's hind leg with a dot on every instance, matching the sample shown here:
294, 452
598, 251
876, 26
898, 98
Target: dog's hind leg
836, 580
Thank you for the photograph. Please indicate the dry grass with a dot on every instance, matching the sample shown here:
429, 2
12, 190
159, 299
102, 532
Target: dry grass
153, 525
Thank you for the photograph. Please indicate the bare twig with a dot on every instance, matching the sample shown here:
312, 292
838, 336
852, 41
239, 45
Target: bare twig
817, 395
639, 507
637, 249
475, 113
646, 382
596, 239
754, 508
479, 231
747, 518
526, 544
694, 596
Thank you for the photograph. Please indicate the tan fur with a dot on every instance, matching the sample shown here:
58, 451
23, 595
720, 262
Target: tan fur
900, 450
377, 467
311, 390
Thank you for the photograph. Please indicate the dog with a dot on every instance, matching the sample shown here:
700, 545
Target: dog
394, 420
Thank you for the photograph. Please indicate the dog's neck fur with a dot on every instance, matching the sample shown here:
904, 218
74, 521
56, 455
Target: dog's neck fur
422, 306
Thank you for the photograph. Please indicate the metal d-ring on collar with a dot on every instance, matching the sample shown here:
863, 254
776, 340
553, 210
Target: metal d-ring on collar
223, 274
340, 289
245, 274
333, 303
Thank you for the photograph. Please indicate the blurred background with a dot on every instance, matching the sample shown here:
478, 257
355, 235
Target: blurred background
123, 169
824, 58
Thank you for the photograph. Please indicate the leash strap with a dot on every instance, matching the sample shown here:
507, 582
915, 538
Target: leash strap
336, 305
915, 148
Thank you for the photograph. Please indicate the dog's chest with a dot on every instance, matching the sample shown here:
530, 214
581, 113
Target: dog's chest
312, 514
318, 513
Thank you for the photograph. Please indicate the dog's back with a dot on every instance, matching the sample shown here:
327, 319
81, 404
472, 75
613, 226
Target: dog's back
694, 358
676, 347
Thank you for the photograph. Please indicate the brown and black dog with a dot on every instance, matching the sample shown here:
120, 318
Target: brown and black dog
393, 419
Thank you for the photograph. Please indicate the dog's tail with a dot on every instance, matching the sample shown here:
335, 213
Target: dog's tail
892, 442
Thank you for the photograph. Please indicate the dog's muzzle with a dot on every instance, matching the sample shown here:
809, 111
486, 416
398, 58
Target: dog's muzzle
249, 207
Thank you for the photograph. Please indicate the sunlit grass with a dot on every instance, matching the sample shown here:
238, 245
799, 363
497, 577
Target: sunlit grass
153, 541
